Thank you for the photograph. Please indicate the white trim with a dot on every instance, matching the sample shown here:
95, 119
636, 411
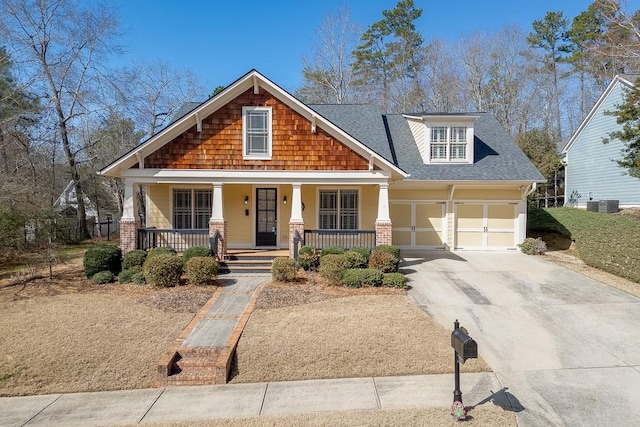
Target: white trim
617, 79
260, 156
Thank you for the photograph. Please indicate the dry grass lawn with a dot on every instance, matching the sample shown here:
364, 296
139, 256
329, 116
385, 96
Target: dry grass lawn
486, 415
68, 335
341, 337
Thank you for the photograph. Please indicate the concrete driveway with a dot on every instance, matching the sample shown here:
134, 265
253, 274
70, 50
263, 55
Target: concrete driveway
565, 347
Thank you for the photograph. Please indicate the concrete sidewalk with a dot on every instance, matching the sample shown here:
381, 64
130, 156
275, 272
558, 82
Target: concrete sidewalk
245, 400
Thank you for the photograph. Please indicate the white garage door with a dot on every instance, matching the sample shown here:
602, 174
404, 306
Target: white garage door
485, 225
418, 225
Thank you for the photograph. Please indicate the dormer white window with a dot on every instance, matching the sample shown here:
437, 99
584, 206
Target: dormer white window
256, 133
443, 138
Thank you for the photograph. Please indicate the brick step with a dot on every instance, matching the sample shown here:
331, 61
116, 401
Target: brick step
192, 378
196, 363
240, 257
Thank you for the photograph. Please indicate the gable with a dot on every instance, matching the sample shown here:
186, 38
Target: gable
219, 144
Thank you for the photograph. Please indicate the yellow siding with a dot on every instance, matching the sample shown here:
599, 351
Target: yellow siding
159, 208
239, 225
285, 214
369, 206
418, 194
309, 216
488, 194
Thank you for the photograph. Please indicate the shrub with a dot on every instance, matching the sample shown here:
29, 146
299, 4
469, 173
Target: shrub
163, 270
138, 278
125, 276
283, 269
386, 262
365, 252
102, 277
202, 270
394, 280
358, 277
393, 250
195, 251
102, 257
531, 246
331, 268
133, 259
331, 250
161, 250
354, 259
308, 258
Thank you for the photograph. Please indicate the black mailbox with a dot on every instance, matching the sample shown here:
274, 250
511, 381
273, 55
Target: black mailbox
464, 346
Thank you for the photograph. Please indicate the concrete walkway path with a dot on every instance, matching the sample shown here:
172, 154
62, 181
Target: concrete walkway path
565, 347
175, 404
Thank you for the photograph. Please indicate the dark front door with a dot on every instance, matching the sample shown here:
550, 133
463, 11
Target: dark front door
266, 216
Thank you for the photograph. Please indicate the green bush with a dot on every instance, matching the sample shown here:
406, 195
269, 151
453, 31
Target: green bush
133, 259
308, 258
531, 246
161, 250
138, 278
393, 250
202, 270
283, 269
102, 277
163, 270
102, 257
331, 268
394, 280
358, 277
365, 252
331, 250
195, 251
384, 261
354, 259
125, 276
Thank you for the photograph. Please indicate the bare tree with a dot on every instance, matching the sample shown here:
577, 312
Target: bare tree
440, 79
327, 71
61, 44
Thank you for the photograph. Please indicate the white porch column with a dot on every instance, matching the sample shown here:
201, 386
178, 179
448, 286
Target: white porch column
383, 204
217, 223
129, 222
296, 223
383, 221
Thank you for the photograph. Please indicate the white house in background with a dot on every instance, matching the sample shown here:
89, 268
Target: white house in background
67, 204
591, 171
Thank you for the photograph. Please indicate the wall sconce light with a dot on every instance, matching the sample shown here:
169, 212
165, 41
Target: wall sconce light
246, 200
284, 200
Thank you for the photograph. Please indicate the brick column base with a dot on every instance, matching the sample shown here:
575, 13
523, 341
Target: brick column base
383, 233
128, 235
293, 227
221, 226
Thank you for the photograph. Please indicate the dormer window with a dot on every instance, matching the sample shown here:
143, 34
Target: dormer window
443, 138
256, 133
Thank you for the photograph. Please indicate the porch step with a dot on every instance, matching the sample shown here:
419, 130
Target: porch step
248, 262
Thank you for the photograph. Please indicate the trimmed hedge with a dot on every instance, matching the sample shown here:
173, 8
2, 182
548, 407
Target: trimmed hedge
394, 280
283, 269
102, 277
134, 258
102, 257
358, 277
365, 252
331, 268
195, 251
531, 246
354, 259
163, 270
138, 278
393, 250
331, 250
384, 261
161, 250
202, 270
125, 276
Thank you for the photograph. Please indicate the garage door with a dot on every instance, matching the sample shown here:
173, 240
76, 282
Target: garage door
418, 225
485, 225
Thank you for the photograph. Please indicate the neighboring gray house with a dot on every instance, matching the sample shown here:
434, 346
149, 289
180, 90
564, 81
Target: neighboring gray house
591, 171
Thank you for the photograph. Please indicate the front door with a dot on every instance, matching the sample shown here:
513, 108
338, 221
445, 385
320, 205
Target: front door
266, 216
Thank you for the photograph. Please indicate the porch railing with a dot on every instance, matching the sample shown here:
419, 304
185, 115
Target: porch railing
345, 238
180, 240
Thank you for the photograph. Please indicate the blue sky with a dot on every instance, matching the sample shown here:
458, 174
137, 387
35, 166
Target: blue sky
221, 40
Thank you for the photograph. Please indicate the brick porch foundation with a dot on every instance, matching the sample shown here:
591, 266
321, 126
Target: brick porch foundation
128, 235
221, 226
383, 233
293, 227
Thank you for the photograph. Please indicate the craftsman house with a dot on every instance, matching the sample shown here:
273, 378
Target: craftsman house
591, 170
253, 167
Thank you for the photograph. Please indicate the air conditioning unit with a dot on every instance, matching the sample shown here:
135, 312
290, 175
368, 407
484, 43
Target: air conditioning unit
608, 206
593, 206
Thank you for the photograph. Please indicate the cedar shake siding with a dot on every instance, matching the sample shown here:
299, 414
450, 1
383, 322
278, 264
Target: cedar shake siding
219, 145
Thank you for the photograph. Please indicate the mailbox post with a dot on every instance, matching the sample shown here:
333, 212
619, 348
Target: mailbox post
464, 347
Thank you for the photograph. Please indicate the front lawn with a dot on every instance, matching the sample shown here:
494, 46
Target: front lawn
609, 242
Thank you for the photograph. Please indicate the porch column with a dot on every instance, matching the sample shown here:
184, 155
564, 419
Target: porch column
217, 221
129, 223
383, 221
296, 223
